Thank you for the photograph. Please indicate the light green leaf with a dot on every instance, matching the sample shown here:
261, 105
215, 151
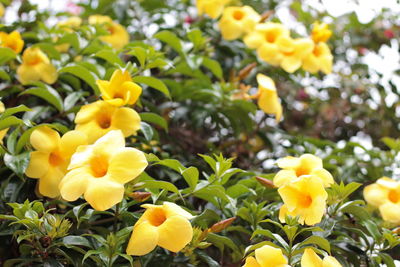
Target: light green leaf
47, 93
84, 74
154, 83
154, 118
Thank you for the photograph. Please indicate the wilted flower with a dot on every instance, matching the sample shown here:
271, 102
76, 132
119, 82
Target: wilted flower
120, 90
264, 39
267, 256
98, 118
320, 32
237, 21
268, 99
305, 197
50, 160
311, 259
118, 37
36, 66
99, 171
293, 52
319, 59
164, 225
385, 195
212, 8
12, 40
306, 164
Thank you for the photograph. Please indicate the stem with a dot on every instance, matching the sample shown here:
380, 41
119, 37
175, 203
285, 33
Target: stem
116, 217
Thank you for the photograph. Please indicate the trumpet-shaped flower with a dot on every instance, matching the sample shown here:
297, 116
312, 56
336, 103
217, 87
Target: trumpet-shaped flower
237, 21
164, 225
268, 99
306, 198
50, 160
385, 195
98, 118
99, 171
265, 35
212, 8
36, 66
320, 32
306, 164
320, 59
311, 259
267, 256
293, 51
120, 90
12, 40
118, 37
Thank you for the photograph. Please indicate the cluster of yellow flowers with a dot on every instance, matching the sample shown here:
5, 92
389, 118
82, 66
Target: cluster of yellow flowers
272, 40
385, 195
268, 256
301, 184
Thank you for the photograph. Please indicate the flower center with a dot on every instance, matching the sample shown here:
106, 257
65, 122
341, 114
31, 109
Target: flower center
99, 165
271, 36
33, 60
157, 217
394, 196
55, 159
238, 15
317, 51
305, 201
302, 171
104, 121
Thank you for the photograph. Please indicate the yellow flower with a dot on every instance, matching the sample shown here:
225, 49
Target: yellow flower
385, 195
98, 118
267, 256
268, 99
306, 198
213, 8
293, 52
99, 171
2, 10
36, 66
236, 21
120, 90
4, 131
265, 35
320, 32
70, 24
164, 225
310, 259
12, 41
118, 36
50, 160
320, 59
306, 164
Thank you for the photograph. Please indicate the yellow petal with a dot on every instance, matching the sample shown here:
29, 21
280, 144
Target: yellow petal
375, 194
126, 165
74, 183
284, 177
270, 256
48, 183
390, 212
308, 163
173, 209
265, 82
88, 112
251, 262
48, 73
98, 188
104, 87
270, 53
175, 233
143, 240
133, 90
70, 142
110, 143
288, 162
291, 63
38, 164
388, 183
45, 139
27, 74
127, 120
253, 40
330, 261
283, 211
311, 63
324, 175
310, 259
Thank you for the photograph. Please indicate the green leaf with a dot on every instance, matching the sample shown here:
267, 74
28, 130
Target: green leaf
160, 185
70, 38
10, 121
147, 130
191, 176
154, 83
4, 76
47, 93
154, 118
109, 56
84, 74
11, 111
72, 240
6, 54
171, 39
17, 163
319, 241
140, 54
213, 66
49, 50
